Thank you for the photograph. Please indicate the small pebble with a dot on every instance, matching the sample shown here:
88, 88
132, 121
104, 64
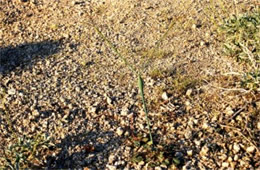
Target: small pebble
194, 26
109, 100
205, 125
250, 149
35, 113
195, 121
197, 142
236, 147
187, 103
119, 131
141, 163
188, 134
77, 89
189, 152
258, 125
111, 159
204, 150
124, 111
258, 105
223, 157
11, 91
188, 92
111, 167
70, 106
157, 168
229, 111
225, 164
93, 109
236, 157
165, 96
126, 133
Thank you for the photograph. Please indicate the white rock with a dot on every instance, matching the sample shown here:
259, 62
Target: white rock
93, 109
157, 168
21, 94
197, 142
109, 100
111, 167
141, 163
250, 149
163, 166
111, 159
126, 133
236, 157
35, 113
223, 157
187, 103
236, 147
258, 105
190, 123
62, 100
119, 131
77, 89
205, 125
194, 26
204, 150
239, 118
225, 164
258, 125
188, 92
124, 111
229, 111
188, 134
195, 121
11, 91
70, 106
189, 152
165, 96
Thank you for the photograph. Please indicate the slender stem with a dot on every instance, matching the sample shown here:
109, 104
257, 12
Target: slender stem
141, 88
115, 50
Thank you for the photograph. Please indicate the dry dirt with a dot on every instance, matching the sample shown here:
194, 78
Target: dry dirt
59, 78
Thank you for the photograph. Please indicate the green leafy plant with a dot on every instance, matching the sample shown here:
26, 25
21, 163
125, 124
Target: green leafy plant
22, 152
242, 41
25, 152
251, 80
243, 37
145, 152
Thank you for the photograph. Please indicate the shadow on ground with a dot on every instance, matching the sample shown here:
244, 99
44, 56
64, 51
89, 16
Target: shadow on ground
25, 55
91, 152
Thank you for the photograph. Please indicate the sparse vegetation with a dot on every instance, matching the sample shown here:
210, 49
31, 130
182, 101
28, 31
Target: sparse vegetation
181, 83
145, 153
213, 120
243, 37
26, 152
242, 41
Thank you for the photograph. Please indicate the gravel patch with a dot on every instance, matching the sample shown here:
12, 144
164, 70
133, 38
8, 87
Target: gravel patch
59, 79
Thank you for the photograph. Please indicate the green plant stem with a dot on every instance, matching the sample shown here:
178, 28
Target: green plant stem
141, 88
140, 80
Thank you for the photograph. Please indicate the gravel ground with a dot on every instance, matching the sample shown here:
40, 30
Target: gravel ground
60, 79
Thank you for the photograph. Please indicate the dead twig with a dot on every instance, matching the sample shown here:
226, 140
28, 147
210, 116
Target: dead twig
237, 113
238, 131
